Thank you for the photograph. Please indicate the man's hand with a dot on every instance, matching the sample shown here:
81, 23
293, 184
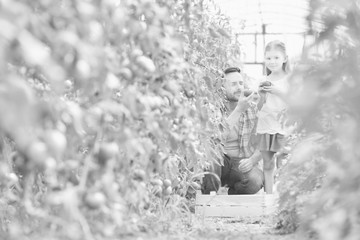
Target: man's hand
243, 102
246, 165
242, 105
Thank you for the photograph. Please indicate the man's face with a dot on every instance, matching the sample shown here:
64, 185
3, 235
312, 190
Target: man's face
234, 85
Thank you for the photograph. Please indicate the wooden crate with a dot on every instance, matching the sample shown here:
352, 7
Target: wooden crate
235, 205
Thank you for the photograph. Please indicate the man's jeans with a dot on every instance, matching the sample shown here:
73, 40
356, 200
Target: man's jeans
237, 182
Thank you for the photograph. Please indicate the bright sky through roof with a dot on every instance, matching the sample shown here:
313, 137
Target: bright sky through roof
284, 20
280, 16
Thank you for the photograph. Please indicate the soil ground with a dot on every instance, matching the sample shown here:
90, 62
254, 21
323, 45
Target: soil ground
241, 228
222, 228
226, 229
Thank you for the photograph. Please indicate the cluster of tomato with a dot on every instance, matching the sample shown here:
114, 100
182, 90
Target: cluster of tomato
161, 187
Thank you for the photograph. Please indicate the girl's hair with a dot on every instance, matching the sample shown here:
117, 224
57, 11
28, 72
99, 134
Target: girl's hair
278, 45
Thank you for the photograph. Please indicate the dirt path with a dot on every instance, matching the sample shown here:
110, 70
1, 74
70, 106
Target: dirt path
225, 229
198, 227
245, 229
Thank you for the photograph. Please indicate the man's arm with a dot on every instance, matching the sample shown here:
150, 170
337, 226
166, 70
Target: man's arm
242, 104
233, 119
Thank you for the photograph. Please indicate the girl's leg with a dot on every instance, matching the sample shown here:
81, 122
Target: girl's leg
269, 166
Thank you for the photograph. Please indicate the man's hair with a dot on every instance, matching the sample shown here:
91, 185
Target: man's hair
232, 69
236, 69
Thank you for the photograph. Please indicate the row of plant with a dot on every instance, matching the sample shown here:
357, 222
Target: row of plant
319, 187
110, 113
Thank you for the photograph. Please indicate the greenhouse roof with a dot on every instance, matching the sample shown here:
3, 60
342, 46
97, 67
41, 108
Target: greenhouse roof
278, 16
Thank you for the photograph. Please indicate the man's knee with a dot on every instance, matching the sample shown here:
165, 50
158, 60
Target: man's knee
254, 182
256, 176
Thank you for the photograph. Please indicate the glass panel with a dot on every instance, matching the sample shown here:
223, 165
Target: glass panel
260, 49
248, 47
294, 44
281, 16
284, 20
255, 72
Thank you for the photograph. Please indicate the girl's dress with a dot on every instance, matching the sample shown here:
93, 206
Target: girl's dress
270, 125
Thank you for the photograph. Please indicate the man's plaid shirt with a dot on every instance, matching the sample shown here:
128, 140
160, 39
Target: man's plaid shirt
245, 131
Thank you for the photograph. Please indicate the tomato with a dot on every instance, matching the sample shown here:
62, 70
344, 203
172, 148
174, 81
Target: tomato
168, 191
37, 153
95, 200
68, 85
265, 84
19, 163
107, 151
247, 93
146, 63
139, 175
167, 182
56, 143
126, 73
156, 182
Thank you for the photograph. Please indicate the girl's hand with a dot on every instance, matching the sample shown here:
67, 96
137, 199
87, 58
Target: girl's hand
271, 89
262, 92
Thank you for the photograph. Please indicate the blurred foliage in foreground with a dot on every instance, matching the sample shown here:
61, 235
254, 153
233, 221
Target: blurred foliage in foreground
320, 186
109, 113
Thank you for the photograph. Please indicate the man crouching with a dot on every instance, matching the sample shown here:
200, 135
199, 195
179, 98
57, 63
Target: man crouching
239, 172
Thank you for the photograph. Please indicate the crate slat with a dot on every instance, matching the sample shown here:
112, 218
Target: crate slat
235, 205
225, 211
229, 199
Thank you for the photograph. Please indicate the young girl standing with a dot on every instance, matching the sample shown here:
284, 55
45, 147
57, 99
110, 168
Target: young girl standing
272, 90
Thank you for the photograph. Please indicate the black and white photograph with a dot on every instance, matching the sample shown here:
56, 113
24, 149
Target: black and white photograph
179, 119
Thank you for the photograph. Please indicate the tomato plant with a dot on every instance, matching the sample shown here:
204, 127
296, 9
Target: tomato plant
319, 186
110, 112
